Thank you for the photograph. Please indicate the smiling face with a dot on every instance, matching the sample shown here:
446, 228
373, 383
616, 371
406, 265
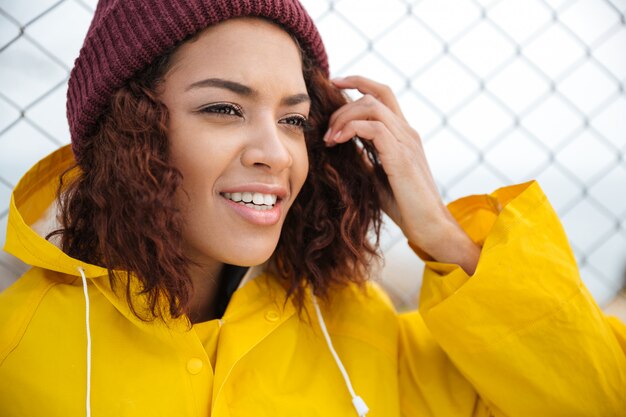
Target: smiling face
237, 104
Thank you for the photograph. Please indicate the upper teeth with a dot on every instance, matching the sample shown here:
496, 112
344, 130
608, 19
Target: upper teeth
255, 198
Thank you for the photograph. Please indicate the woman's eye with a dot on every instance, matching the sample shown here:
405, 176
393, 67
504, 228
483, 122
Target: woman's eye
222, 109
298, 122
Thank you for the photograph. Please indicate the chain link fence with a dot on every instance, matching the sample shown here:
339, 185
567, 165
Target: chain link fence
502, 91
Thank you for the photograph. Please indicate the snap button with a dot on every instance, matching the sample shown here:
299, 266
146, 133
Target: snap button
194, 366
272, 315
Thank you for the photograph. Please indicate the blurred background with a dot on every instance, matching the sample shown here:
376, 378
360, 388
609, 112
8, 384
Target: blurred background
501, 91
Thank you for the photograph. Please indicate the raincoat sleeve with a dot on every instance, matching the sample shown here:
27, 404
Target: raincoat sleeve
522, 336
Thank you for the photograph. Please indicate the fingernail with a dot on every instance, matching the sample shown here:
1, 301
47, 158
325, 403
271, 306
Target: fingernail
327, 135
337, 79
336, 136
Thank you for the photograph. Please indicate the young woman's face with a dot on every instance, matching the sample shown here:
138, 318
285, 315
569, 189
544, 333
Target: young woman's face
237, 103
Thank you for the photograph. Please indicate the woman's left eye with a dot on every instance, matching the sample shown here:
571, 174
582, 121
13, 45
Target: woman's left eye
297, 121
222, 109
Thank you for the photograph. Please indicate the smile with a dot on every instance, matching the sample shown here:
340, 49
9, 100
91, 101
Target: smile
261, 209
257, 201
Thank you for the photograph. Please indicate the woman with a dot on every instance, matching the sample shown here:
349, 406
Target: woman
207, 139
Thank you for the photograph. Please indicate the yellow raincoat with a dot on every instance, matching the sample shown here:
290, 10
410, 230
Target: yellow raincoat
521, 337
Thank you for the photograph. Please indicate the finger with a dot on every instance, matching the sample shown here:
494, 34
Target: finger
366, 108
372, 130
391, 151
365, 85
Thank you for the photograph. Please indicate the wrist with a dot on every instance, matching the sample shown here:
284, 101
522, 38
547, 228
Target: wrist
445, 241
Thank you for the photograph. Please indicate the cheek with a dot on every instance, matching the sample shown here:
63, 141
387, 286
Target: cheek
199, 154
189, 156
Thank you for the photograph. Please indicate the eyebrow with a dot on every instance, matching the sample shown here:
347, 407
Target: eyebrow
244, 90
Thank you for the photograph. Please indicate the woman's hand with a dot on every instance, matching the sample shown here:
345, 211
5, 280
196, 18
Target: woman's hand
415, 204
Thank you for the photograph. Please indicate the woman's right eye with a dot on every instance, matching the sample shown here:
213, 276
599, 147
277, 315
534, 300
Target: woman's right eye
222, 109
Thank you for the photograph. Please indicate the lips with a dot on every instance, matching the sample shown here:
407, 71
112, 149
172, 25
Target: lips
258, 204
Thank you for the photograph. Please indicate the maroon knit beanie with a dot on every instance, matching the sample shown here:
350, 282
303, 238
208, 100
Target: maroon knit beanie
125, 36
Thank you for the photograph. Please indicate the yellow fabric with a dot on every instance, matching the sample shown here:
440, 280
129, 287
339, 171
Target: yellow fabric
208, 332
521, 337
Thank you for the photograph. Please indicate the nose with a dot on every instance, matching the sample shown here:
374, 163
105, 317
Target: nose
267, 147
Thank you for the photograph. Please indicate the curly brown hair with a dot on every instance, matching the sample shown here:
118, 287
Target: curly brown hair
119, 211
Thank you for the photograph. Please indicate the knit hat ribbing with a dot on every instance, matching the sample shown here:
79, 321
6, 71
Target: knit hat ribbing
125, 36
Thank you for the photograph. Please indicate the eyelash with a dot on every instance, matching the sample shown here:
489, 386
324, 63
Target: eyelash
237, 111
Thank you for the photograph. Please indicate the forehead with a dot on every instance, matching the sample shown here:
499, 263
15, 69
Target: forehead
246, 49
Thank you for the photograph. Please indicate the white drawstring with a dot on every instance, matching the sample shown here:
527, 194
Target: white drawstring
86, 292
359, 404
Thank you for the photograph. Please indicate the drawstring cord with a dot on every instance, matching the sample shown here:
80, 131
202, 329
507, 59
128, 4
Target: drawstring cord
359, 405
86, 292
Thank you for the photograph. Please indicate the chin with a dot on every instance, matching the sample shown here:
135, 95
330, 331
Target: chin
247, 260
249, 254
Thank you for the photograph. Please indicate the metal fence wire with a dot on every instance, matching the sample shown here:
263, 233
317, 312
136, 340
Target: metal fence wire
502, 91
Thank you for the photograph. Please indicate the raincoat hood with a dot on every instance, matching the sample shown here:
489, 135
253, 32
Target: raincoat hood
32, 215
